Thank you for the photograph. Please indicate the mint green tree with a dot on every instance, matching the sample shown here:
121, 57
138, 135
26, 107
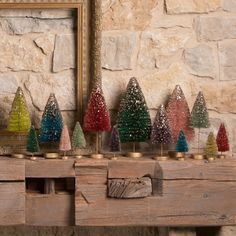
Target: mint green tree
78, 139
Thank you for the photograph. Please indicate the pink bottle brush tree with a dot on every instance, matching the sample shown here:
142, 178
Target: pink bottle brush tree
65, 143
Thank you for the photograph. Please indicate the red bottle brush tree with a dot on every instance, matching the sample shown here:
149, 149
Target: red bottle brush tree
161, 133
178, 114
97, 118
222, 139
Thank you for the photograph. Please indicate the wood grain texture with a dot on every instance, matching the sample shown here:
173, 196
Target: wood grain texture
50, 210
12, 169
193, 194
12, 203
129, 188
56, 168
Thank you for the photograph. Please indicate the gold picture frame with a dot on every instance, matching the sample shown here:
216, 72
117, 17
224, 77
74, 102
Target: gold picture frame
88, 39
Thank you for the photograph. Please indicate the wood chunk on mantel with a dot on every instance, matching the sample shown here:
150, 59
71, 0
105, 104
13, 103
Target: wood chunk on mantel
129, 188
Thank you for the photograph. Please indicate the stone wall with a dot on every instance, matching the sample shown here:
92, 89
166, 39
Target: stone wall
38, 54
169, 42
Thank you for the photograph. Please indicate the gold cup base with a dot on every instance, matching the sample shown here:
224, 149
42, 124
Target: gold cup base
33, 158
198, 156
160, 158
221, 156
18, 155
134, 154
210, 158
97, 156
51, 155
180, 156
78, 157
64, 157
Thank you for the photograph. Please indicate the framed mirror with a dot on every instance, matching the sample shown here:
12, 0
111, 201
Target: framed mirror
49, 46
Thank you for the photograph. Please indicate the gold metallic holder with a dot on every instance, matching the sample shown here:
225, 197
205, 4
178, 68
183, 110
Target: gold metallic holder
78, 157
211, 158
18, 155
180, 156
97, 156
221, 156
160, 158
33, 158
64, 157
51, 155
198, 156
134, 154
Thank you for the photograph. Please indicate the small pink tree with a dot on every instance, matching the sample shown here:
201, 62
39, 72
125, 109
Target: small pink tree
65, 143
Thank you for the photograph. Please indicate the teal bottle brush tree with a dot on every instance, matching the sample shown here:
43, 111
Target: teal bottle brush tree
199, 119
181, 146
51, 124
97, 118
134, 123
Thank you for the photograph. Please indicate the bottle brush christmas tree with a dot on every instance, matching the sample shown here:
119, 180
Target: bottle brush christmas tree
161, 133
222, 140
65, 144
181, 145
211, 146
199, 116
97, 118
51, 123
178, 114
115, 140
32, 142
134, 123
19, 116
78, 139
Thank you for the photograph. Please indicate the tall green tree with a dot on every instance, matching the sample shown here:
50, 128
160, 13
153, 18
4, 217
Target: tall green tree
19, 119
134, 123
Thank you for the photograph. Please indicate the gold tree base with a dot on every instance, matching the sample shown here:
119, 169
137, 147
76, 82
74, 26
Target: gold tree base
180, 156
161, 158
33, 158
18, 155
134, 154
51, 155
221, 156
210, 158
198, 156
64, 157
78, 157
97, 156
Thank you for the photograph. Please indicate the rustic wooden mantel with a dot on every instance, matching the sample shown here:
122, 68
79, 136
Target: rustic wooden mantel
183, 193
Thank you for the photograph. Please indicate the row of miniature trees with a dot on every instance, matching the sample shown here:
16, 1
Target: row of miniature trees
171, 125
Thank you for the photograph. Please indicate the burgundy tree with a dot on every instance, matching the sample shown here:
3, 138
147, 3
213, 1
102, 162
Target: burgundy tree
178, 114
222, 139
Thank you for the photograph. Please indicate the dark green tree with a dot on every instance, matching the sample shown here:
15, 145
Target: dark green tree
32, 142
52, 123
134, 123
181, 145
